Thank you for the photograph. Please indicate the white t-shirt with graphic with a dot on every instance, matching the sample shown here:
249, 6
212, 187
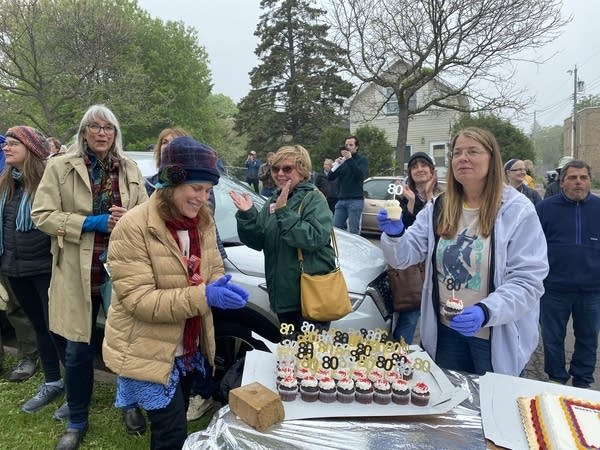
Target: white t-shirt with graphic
463, 263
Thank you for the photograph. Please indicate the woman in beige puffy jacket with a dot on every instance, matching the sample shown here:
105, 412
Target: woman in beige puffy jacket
167, 273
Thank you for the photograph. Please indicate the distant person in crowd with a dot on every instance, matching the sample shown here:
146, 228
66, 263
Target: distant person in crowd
159, 335
27, 354
572, 288
26, 345
515, 173
55, 146
164, 137
553, 187
264, 175
530, 174
25, 258
327, 187
297, 216
482, 243
420, 189
252, 166
81, 197
350, 169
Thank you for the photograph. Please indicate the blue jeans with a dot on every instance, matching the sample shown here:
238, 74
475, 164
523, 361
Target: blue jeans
406, 325
348, 210
462, 353
555, 310
79, 371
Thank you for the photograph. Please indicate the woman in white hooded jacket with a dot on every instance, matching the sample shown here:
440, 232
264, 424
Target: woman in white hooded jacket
483, 244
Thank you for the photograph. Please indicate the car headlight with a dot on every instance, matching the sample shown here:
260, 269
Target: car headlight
379, 290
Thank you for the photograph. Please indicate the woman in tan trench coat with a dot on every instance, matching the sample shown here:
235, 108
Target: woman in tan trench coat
81, 197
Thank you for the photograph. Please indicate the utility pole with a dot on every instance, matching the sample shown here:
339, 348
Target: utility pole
573, 120
577, 86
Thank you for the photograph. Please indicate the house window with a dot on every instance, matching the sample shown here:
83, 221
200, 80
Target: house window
391, 106
439, 154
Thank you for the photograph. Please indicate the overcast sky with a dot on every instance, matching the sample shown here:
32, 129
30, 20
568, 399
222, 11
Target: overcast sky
226, 30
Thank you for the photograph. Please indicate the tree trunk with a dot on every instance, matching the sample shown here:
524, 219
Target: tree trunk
401, 140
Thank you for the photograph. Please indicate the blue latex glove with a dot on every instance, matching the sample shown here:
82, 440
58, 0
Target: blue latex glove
238, 290
96, 223
390, 227
219, 295
469, 322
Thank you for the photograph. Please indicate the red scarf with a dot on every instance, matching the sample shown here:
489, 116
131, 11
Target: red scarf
191, 331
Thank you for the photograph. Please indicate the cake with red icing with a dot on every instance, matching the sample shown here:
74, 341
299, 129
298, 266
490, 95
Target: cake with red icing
555, 422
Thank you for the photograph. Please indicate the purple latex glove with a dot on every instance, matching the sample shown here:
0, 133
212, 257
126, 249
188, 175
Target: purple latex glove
238, 290
393, 228
469, 322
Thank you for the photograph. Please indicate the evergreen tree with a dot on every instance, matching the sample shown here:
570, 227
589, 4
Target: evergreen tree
295, 90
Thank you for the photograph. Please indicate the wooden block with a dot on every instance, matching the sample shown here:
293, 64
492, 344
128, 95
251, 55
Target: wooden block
256, 405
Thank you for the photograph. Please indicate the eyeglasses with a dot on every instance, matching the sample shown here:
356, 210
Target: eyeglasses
470, 152
95, 128
517, 170
8, 144
286, 169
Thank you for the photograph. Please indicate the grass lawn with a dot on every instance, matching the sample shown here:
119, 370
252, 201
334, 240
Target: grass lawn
36, 431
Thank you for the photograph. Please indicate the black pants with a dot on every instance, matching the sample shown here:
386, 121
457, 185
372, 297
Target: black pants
32, 295
254, 183
169, 424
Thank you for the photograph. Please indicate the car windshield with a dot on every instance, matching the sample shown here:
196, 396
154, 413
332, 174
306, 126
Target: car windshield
225, 209
377, 188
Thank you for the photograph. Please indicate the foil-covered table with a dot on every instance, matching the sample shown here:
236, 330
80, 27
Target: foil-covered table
460, 428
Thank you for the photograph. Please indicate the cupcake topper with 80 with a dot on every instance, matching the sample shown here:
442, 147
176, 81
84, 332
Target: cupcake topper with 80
395, 189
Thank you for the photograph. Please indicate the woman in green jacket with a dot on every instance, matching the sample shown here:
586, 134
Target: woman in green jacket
297, 216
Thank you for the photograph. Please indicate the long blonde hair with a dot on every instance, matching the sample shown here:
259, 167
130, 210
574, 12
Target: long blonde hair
175, 131
447, 224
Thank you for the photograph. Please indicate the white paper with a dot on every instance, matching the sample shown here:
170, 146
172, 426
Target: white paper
260, 367
500, 413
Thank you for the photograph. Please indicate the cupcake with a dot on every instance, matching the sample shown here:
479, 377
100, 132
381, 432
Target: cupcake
394, 211
391, 376
419, 394
382, 392
375, 375
309, 389
284, 372
339, 374
322, 373
453, 307
357, 374
288, 388
400, 392
327, 391
301, 373
363, 391
345, 390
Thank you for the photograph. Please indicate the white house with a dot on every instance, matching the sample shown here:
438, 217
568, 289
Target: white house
428, 131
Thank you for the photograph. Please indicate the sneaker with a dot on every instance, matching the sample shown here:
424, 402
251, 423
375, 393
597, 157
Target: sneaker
199, 406
45, 395
61, 413
24, 370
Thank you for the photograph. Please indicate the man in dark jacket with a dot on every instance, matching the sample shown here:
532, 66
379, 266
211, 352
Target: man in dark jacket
350, 169
572, 287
